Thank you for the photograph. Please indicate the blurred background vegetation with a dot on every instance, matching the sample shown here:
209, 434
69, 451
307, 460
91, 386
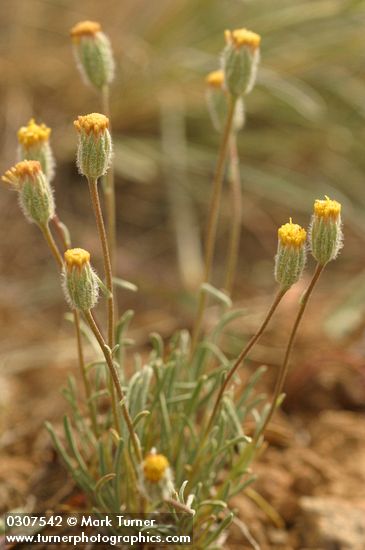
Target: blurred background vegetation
303, 138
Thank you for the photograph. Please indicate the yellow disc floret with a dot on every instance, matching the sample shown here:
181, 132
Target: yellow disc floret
215, 79
292, 234
327, 208
154, 467
33, 134
243, 37
76, 257
94, 122
84, 28
20, 171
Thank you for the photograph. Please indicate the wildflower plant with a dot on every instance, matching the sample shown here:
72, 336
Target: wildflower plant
174, 436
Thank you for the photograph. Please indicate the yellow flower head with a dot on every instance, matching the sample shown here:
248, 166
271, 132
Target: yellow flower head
154, 467
292, 234
84, 28
95, 122
215, 79
243, 37
22, 170
327, 208
33, 134
76, 257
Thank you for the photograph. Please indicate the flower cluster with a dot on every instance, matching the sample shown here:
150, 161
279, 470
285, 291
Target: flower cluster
325, 242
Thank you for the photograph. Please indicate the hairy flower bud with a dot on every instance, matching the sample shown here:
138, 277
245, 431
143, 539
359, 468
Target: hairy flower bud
155, 467
240, 61
95, 145
215, 79
216, 98
93, 53
291, 254
34, 145
34, 191
80, 283
325, 231
216, 95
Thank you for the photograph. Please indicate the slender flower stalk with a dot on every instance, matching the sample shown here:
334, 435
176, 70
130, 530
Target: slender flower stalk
290, 260
62, 232
93, 187
117, 384
52, 244
94, 159
85, 378
280, 294
240, 60
285, 365
109, 187
236, 217
217, 102
213, 218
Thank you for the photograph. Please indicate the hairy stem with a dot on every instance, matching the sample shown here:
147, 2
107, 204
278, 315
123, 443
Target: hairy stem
52, 244
243, 355
109, 187
117, 384
85, 378
236, 214
213, 219
93, 187
94, 193
285, 365
60, 230
231, 373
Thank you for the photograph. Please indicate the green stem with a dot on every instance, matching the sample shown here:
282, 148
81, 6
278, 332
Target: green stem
85, 378
52, 244
109, 188
117, 384
213, 219
93, 187
60, 230
236, 214
285, 365
94, 194
231, 373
